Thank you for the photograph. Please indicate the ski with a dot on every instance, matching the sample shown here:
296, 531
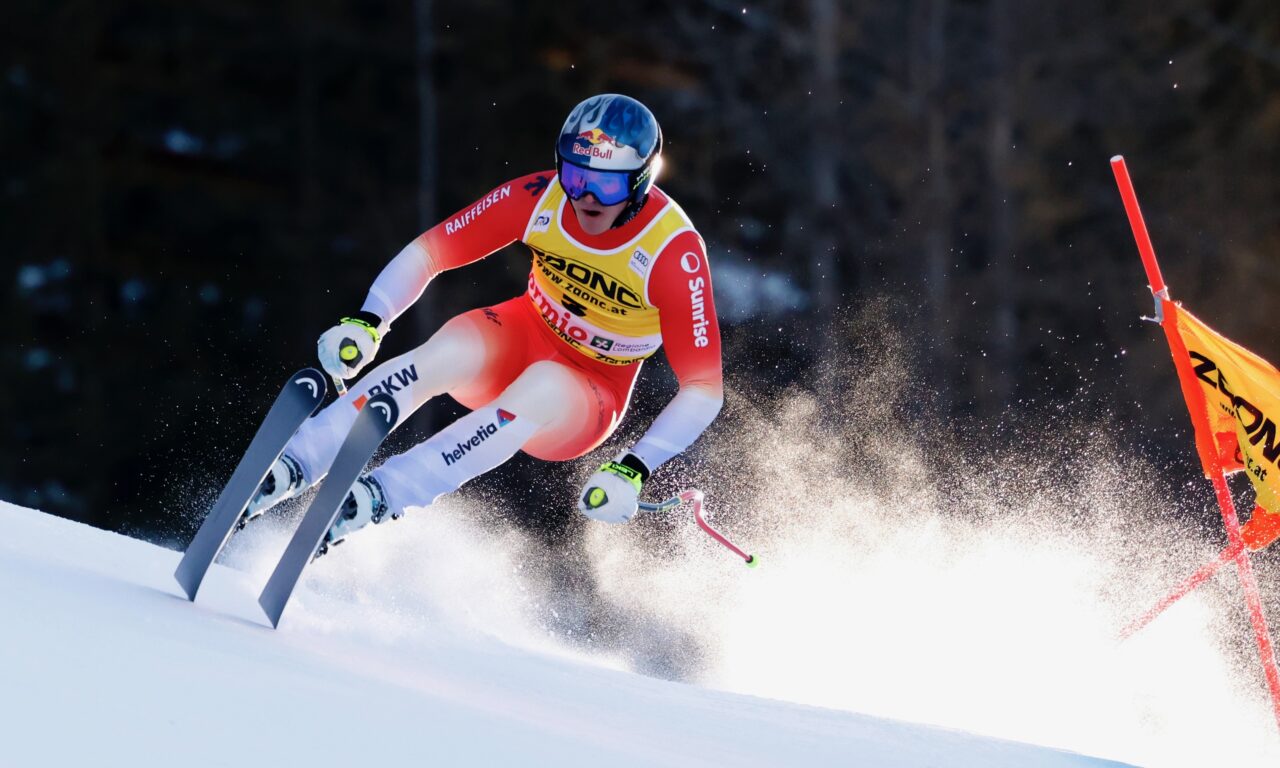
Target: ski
295, 403
370, 428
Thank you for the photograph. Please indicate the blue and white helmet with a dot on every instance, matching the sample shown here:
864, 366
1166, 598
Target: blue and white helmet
611, 132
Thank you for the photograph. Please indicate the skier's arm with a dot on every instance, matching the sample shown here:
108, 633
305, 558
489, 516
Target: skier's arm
492, 222
680, 287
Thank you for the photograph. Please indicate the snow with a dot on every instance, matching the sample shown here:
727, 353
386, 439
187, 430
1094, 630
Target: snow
104, 663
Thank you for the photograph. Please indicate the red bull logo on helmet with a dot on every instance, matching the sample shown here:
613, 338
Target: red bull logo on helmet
597, 136
598, 144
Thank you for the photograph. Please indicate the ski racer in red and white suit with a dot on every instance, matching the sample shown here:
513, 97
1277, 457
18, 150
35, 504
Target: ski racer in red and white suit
549, 372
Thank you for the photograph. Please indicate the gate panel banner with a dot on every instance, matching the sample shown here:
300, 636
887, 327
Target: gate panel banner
1242, 392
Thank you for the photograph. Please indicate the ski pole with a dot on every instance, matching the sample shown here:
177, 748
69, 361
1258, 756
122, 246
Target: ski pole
695, 496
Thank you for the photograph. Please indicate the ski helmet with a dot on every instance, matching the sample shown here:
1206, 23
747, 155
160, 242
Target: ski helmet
609, 147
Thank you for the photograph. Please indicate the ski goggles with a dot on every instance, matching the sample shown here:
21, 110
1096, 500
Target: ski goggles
609, 187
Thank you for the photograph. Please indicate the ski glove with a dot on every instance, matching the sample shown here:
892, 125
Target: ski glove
613, 492
348, 346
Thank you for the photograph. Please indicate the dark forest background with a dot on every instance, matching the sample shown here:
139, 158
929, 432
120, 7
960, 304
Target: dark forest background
191, 192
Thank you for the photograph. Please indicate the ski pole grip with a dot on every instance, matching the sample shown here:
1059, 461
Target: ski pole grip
349, 353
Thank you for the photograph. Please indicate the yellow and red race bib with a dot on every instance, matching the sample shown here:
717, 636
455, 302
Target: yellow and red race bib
597, 300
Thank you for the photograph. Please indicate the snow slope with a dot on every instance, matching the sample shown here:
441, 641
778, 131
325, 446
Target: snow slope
105, 664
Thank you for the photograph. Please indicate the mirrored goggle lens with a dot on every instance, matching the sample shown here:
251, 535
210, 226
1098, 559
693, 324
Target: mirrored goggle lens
609, 187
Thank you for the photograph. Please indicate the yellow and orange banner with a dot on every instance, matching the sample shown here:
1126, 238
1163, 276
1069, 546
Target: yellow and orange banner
1240, 397
1242, 392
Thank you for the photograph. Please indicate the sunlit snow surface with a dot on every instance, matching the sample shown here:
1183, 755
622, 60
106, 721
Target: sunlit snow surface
421, 646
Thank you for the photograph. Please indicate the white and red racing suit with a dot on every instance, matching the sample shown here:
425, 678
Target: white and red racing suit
549, 372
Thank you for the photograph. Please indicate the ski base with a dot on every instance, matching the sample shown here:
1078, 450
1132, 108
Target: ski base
299, 399
371, 426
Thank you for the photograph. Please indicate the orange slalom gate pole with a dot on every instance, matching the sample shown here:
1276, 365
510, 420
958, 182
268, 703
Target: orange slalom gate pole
1194, 580
1139, 227
1209, 459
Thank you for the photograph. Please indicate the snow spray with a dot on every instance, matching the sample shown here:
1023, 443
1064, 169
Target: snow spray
912, 578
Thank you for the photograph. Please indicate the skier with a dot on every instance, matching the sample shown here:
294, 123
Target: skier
618, 271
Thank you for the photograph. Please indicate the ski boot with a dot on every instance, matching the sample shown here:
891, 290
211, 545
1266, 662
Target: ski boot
284, 481
365, 503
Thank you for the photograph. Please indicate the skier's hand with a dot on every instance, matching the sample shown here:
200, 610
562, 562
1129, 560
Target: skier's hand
613, 492
348, 346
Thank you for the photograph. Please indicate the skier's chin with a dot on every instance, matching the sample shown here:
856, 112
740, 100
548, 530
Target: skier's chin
596, 219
